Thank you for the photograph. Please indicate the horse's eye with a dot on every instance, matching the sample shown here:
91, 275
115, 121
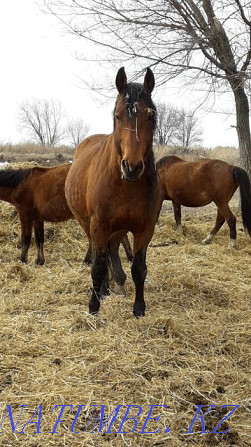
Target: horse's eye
117, 117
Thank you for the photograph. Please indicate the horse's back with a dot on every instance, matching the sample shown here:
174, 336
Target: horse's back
89, 145
199, 182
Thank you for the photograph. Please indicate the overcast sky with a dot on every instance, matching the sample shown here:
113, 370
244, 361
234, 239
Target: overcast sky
38, 60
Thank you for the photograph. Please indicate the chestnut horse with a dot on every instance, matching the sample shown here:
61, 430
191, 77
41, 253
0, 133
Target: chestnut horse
198, 183
111, 187
38, 196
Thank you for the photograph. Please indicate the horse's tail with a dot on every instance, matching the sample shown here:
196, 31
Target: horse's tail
13, 177
243, 181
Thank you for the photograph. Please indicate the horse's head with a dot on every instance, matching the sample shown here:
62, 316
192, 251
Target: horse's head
134, 123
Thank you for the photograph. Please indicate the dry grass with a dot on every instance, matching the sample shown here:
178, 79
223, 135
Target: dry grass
35, 153
192, 348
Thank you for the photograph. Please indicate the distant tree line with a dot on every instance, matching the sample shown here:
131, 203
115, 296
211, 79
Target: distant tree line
177, 126
46, 124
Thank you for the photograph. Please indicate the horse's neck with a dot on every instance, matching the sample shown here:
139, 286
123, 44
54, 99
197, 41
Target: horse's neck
6, 193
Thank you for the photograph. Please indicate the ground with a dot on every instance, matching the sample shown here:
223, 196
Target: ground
192, 348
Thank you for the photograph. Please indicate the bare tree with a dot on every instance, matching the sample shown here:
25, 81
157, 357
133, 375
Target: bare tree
168, 124
190, 132
177, 126
42, 119
77, 131
208, 40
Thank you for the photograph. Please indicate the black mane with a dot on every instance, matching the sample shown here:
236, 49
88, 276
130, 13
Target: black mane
132, 93
13, 177
165, 160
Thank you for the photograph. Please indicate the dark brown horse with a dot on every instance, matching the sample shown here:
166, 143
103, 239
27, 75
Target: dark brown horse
111, 186
38, 196
198, 183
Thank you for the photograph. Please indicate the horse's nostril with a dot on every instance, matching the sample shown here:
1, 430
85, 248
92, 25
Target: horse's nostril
139, 167
124, 164
132, 171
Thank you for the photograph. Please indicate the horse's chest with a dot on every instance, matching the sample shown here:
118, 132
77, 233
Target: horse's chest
126, 214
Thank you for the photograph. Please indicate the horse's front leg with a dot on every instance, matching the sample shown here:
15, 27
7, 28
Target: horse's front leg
99, 237
117, 270
139, 270
99, 274
26, 230
39, 237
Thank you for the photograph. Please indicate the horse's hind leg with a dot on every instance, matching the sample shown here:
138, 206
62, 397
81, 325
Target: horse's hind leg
218, 224
177, 216
127, 247
26, 230
117, 270
224, 214
231, 221
89, 255
39, 237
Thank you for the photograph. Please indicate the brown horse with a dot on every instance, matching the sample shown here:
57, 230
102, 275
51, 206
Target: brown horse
111, 187
38, 196
198, 183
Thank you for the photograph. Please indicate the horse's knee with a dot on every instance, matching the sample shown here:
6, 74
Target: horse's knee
99, 268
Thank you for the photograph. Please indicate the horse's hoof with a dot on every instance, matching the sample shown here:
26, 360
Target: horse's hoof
207, 240
231, 243
40, 262
119, 290
138, 312
93, 313
94, 308
180, 230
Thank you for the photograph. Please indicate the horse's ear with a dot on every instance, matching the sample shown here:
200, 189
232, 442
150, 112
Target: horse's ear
121, 79
149, 81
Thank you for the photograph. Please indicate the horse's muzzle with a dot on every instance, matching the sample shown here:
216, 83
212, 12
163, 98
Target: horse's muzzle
129, 173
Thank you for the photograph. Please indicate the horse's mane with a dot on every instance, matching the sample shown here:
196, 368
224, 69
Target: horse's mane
131, 94
165, 160
13, 177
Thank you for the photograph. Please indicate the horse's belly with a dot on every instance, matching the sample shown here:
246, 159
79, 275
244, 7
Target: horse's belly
196, 199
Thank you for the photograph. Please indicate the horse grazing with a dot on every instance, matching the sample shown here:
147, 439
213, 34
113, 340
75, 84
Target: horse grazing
111, 187
198, 183
38, 195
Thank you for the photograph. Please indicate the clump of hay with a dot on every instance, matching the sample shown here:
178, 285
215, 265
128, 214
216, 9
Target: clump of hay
192, 348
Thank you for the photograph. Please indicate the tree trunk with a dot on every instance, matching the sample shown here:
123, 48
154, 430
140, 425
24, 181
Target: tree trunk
243, 128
